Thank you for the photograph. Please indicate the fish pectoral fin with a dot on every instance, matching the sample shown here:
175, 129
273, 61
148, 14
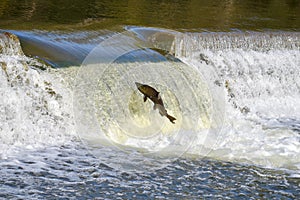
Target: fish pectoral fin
145, 98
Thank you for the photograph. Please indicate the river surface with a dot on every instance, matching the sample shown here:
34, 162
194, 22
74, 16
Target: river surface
74, 126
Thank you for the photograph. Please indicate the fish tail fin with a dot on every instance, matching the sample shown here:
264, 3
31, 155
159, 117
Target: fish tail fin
172, 119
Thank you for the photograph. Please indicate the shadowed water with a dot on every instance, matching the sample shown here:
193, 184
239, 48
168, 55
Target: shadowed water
215, 15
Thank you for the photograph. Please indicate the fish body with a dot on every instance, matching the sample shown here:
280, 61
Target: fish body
154, 96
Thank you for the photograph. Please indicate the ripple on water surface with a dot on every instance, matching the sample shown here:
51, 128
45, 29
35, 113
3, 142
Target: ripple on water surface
73, 172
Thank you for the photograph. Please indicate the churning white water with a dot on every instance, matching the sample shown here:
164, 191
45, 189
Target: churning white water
235, 97
260, 75
85, 132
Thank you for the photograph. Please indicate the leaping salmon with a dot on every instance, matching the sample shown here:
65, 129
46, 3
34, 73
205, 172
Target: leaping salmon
154, 96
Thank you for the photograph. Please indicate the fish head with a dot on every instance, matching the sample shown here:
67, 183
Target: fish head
138, 84
146, 90
141, 87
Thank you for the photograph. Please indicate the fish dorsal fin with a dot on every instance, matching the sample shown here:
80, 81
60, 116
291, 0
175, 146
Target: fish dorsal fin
145, 98
158, 96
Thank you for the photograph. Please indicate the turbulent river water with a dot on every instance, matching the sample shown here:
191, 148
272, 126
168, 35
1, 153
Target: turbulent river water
74, 126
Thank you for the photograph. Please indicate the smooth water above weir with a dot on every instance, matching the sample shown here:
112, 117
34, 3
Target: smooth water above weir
214, 15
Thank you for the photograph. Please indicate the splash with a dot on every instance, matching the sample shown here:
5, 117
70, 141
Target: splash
245, 83
35, 105
108, 107
260, 74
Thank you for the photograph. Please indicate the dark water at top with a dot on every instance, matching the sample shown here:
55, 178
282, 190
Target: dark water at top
188, 14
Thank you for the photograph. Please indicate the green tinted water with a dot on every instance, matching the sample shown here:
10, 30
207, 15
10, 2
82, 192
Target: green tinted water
216, 15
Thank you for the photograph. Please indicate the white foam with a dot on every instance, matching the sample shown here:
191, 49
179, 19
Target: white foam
260, 75
35, 107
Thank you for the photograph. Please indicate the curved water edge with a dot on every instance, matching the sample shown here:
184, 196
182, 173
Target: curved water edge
60, 49
256, 71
